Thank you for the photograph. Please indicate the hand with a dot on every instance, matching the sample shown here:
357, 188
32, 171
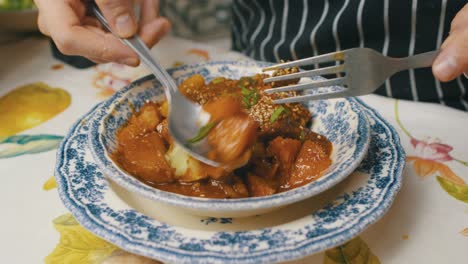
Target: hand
77, 33
453, 58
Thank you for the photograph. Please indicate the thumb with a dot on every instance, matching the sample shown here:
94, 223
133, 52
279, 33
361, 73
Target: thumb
119, 14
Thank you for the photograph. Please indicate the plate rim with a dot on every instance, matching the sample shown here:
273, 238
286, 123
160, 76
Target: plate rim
86, 220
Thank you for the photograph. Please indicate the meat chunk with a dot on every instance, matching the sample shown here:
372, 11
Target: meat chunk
266, 168
311, 161
231, 139
234, 189
217, 173
290, 120
259, 186
320, 139
285, 151
286, 71
143, 156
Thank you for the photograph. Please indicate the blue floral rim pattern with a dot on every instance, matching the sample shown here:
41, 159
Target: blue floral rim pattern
84, 191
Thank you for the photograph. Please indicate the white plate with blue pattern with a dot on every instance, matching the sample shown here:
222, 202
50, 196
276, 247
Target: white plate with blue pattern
340, 120
137, 225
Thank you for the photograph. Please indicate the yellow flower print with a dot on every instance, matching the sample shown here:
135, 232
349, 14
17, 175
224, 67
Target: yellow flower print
30, 105
79, 246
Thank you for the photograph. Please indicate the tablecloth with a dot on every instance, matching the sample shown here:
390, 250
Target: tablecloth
40, 98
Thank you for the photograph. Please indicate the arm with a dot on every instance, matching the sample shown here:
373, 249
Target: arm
77, 33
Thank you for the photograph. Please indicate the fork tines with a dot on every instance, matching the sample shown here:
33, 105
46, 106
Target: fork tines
330, 57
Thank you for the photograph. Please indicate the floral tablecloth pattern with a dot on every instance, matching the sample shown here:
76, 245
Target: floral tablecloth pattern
40, 98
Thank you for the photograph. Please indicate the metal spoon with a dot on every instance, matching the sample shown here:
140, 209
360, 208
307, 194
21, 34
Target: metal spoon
184, 115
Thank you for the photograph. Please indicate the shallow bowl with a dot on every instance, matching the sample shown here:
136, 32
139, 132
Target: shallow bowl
342, 121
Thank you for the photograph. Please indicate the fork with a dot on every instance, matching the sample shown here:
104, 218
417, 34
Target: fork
364, 71
185, 117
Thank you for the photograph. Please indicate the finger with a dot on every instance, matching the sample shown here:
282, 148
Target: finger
448, 41
103, 46
55, 17
149, 11
460, 21
41, 25
74, 39
96, 30
453, 59
152, 27
119, 14
152, 32
96, 60
92, 22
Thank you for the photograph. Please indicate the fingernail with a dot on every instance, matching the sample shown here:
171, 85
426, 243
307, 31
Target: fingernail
124, 25
129, 61
446, 67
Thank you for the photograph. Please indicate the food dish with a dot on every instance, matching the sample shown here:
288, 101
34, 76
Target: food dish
319, 223
341, 121
265, 148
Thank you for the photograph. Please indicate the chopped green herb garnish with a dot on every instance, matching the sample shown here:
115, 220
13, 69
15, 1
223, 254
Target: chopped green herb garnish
245, 82
255, 97
249, 96
277, 113
245, 91
218, 80
302, 135
246, 101
202, 133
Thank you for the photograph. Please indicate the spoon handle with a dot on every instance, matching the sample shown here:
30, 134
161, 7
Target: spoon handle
137, 45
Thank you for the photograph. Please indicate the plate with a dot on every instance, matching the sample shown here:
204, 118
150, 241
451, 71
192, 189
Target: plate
340, 120
293, 232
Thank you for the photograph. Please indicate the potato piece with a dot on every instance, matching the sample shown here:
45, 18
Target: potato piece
164, 109
232, 137
285, 151
129, 131
311, 161
148, 117
222, 108
193, 82
258, 186
187, 169
143, 156
145, 120
163, 131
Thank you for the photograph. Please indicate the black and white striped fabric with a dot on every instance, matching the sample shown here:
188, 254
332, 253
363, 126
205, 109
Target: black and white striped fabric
271, 30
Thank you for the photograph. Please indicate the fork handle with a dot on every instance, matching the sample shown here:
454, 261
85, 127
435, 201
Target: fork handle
421, 60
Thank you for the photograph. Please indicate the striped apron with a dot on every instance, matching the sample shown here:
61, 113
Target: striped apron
270, 30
